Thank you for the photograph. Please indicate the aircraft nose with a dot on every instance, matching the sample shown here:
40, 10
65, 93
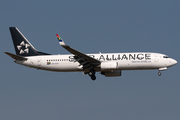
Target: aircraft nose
173, 62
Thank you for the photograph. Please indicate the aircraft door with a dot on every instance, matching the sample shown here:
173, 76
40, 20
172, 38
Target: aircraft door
156, 58
39, 62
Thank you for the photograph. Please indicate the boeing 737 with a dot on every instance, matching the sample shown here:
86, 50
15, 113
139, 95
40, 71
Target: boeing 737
108, 64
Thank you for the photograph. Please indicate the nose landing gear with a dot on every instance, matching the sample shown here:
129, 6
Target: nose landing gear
161, 69
159, 73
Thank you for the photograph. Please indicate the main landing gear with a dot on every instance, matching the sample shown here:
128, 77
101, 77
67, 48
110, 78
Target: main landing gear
92, 74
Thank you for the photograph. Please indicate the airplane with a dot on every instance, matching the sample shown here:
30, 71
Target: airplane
108, 64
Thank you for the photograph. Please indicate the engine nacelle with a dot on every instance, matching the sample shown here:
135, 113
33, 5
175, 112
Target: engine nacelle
112, 73
109, 65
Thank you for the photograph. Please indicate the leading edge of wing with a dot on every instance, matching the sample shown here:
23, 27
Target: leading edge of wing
77, 53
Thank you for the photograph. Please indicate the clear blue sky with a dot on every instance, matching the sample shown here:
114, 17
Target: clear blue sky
90, 27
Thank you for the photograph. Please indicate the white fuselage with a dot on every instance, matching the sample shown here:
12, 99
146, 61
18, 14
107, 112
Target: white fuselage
108, 64
124, 61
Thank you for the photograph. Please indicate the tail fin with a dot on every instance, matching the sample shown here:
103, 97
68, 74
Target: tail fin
22, 46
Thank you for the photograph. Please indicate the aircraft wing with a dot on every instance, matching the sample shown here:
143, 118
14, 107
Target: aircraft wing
82, 58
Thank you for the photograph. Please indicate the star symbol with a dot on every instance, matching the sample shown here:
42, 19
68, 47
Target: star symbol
23, 47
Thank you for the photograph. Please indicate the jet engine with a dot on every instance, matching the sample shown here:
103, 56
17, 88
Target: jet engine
109, 65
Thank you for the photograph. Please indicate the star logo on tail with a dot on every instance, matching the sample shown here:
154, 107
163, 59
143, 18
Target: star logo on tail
23, 48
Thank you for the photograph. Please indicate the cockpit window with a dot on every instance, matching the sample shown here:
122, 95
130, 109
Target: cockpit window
165, 57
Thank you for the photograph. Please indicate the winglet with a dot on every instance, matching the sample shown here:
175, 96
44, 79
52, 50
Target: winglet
61, 42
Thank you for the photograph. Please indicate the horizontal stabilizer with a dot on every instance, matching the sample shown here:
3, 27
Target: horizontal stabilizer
16, 57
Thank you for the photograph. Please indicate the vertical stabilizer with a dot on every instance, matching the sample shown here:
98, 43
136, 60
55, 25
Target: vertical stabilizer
22, 46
